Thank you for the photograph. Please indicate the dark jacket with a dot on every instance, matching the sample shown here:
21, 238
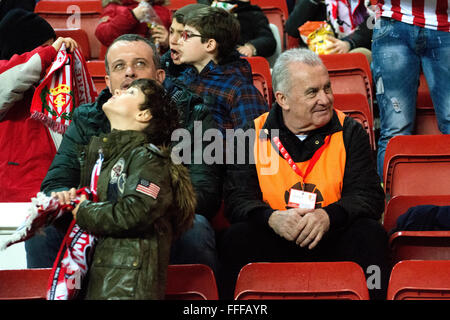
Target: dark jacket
424, 218
306, 10
362, 195
89, 120
134, 228
255, 29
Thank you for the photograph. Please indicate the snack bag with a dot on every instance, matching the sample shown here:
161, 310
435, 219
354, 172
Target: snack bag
315, 34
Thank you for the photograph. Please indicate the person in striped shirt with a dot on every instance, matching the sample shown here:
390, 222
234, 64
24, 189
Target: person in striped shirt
411, 37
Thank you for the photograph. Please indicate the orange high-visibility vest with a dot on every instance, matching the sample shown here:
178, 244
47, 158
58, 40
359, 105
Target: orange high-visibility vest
276, 177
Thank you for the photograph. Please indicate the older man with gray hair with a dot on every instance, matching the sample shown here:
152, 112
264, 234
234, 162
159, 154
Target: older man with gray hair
323, 201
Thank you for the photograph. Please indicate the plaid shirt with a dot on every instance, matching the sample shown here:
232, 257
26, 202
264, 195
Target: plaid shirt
228, 90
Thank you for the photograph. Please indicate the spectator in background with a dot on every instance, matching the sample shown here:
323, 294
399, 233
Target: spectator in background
8, 5
410, 37
216, 71
127, 16
355, 35
256, 37
170, 61
27, 49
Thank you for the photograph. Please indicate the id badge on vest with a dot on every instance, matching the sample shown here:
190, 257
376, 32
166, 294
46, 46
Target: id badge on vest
301, 199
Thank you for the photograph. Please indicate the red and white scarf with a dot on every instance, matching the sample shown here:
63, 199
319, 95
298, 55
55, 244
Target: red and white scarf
345, 15
67, 85
73, 260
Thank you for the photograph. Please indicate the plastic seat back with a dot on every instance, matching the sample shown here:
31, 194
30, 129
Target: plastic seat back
426, 121
417, 165
67, 14
262, 78
24, 284
301, 280
174, 5
399, 204
350, 73
191, 282
80, 36
420, 280
97, 71
356, 106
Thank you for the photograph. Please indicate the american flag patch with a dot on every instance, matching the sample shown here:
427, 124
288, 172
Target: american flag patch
148, 188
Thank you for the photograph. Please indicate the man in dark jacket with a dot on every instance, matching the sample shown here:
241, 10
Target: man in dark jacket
132, 57
309, 191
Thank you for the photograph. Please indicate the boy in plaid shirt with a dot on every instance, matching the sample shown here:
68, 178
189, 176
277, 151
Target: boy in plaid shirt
215, 69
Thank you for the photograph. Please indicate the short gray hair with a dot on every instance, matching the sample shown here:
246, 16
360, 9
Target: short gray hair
135, 37
281, 77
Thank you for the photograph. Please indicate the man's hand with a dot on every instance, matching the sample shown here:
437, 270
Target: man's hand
286, 223
312, 226
337, 46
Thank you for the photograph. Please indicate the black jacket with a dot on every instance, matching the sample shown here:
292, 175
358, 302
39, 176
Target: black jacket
362, 195
89, 120
255, 29
307, 10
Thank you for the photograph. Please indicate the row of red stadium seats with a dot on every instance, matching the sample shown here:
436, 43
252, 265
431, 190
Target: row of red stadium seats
410, 279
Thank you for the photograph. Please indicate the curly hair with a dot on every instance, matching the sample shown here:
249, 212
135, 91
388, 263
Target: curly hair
165, 117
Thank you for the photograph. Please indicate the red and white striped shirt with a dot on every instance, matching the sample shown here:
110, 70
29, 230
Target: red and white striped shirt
431, 14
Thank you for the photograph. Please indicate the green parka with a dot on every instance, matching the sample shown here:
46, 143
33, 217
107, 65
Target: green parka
134, 225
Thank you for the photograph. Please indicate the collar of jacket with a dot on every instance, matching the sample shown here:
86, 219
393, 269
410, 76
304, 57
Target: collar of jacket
299, 150
232, 65
120, 141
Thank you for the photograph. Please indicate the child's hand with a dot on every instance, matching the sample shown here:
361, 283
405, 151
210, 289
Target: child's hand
160, 35
74, 211
65, 197
69, 42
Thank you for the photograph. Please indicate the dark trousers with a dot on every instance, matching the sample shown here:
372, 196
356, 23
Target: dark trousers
364, 242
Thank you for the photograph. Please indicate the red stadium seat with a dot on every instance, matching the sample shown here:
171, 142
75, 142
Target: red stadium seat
277, 13
262, 78
356, 106
174, 5
401, 203
67, 14
97, 71
24, 284
408, 245
301, 280
80, 36
191, 282
417, 165
424, 245
350, 73
426, 122
420, 280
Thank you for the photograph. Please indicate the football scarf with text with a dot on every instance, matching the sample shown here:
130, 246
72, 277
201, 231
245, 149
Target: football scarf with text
72, 263
67, 85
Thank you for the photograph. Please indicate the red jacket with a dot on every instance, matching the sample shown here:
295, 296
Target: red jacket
26, 147
121, 21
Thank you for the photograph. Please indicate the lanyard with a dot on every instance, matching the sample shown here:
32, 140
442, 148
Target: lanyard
289, 160
96, 173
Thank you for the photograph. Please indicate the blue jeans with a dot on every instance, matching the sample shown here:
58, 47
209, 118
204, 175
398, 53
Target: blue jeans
399, 51
197, 245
